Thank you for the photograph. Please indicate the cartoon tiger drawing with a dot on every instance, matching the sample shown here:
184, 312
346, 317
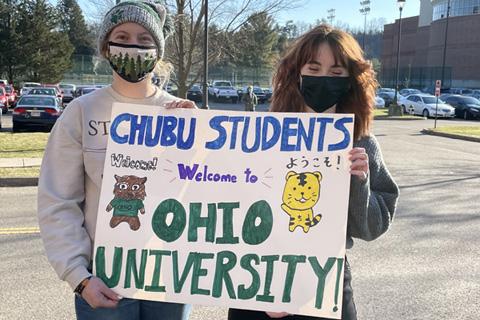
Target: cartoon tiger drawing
129, 194
301, 194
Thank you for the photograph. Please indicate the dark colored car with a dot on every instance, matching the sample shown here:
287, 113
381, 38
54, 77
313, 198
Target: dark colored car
195, 93
465, 107
388, 96
81, 90
36, 111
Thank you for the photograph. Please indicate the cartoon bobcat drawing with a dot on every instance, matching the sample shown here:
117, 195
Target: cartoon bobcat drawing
129, 194
300, 195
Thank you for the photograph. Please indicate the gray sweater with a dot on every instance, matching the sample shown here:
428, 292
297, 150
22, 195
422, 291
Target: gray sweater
373, 201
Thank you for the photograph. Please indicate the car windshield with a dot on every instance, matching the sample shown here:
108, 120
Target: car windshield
470, 100
31, 85
37, 101
429, 100
48, 92
223, 84
195, 87
66, 86
8, 89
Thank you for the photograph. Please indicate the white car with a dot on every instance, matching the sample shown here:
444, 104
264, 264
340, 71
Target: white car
425, 105
223, 90
379, 102
68, 91
27, 86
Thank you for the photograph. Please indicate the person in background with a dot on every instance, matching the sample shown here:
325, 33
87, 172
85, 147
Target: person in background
250, 99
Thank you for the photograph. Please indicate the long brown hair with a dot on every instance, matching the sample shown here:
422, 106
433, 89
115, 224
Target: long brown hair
361, 97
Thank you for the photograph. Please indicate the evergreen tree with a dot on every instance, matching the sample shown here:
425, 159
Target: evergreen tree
11, 45
73, 24
45, 50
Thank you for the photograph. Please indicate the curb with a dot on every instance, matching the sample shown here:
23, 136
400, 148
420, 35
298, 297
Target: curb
450, 135
399, 118
19, 182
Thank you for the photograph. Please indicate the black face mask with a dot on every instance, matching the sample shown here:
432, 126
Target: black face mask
321, 93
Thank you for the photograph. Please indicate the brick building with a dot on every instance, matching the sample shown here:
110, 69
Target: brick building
422, 46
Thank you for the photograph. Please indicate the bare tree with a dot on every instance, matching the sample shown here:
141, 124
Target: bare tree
184, 49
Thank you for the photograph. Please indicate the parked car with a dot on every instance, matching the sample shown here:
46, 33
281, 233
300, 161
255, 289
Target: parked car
195, 93
81, 90
475, 93
3, 100
382, 90
407, 92
425, 105
462, 91
387, 96
27, 86
3, 82
68, 92
36, 111
223, 90
465, 107
261, 96
58, 91
379, 102
46, 91
268, 93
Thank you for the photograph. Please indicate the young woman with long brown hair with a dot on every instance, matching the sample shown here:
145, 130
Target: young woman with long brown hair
325, 71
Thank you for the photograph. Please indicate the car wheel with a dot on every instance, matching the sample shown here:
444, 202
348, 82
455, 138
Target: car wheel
466, 115
16, 127
425, 113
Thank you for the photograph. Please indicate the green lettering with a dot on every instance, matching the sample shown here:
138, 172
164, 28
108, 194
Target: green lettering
291, 269
246, 263
173, 231
321, 274
227, 208
179, 282
155, 285
252, 234
196, 221
266, 297
111, 281
198, 272
131, 267
222, 275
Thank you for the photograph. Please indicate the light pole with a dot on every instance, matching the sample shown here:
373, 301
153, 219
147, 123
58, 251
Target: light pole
396, 109
445, 46
331, 15
365, 10
205, 58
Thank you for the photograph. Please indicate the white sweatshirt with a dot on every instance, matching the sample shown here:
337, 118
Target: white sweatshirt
71, 178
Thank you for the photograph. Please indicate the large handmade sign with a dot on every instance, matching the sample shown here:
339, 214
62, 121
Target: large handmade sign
234, 209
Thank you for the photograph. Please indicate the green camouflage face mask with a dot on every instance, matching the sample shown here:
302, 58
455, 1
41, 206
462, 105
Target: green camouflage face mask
132, 62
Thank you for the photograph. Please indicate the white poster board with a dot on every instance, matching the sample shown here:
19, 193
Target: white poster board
233, 209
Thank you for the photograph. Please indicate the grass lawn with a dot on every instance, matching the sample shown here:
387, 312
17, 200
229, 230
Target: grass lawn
472, 131
19, 172
22, 145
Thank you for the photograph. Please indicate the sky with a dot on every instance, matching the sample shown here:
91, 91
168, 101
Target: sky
347, 11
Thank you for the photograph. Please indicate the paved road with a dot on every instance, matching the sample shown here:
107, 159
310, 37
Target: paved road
426, 267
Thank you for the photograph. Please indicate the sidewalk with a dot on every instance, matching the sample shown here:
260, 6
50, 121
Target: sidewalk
20, 162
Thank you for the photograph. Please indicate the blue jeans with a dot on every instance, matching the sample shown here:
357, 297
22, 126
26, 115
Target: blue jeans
130, 309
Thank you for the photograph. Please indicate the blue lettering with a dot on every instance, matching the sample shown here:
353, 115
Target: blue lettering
186, 144
340, 125
186, 172
136, 127
113, 128
168, 136
302, 135
216, 124
235, 121
288, 132
277, 128
323, 128
150, 140
256, 144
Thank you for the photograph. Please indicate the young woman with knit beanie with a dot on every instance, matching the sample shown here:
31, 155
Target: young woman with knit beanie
325, 71
132, 39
